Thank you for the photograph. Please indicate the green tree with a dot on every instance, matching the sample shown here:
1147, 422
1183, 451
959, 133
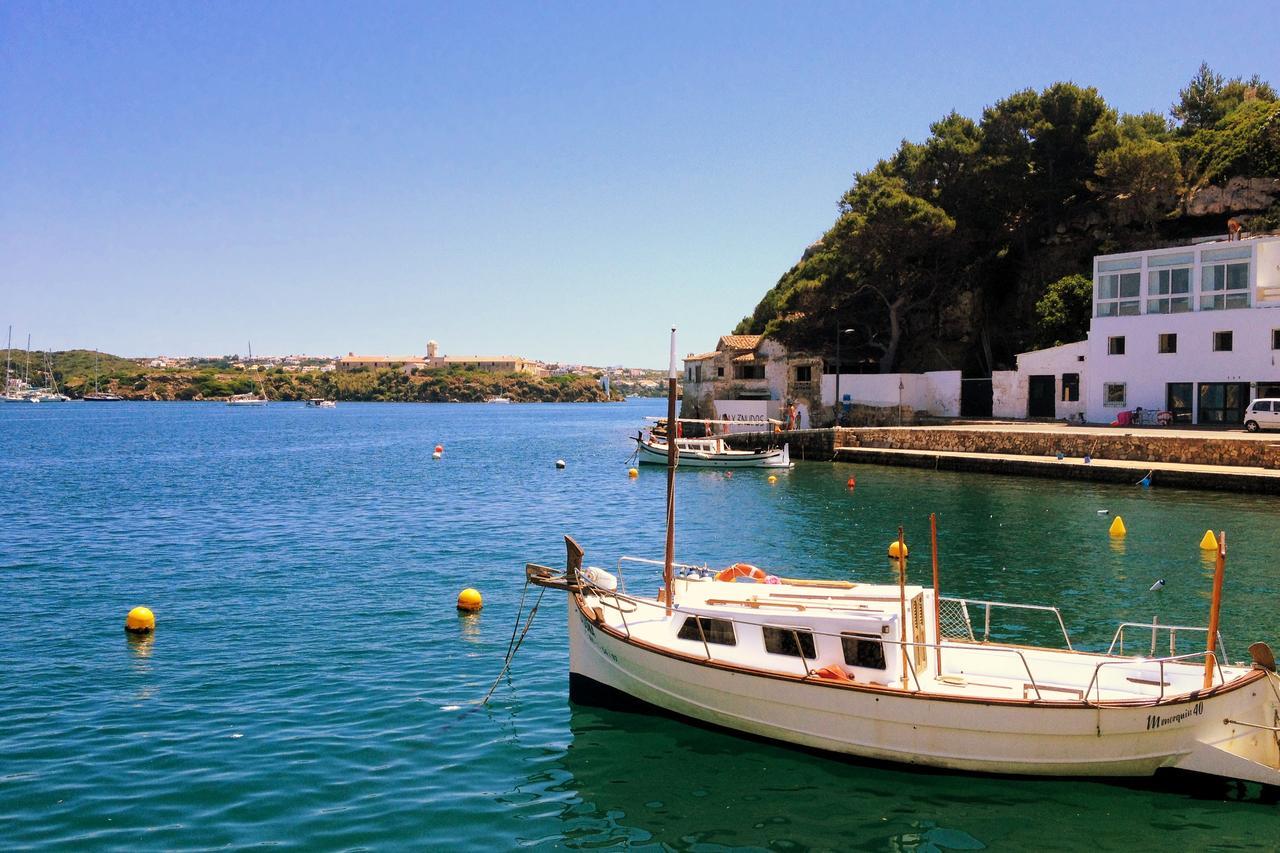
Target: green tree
1140, 180
1062, 313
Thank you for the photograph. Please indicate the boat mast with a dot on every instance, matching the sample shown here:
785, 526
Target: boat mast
26, 365
672, 452
8, 354
937, 606
902, 597
1218, 570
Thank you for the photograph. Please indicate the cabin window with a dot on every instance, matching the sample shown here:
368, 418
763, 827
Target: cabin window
782, 641
864, 650
718, 631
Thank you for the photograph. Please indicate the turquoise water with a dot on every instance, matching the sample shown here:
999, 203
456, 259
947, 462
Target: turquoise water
310, 684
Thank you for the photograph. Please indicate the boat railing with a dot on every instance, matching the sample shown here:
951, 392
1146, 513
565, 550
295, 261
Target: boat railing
957, 622
1156, 628
1143, 664
688, 567
615, 600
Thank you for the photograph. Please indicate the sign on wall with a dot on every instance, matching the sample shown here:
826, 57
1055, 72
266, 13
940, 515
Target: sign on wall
747, 415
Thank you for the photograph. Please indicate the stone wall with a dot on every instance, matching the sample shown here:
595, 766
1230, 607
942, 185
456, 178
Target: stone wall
1137, 447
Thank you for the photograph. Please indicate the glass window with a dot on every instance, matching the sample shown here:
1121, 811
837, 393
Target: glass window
1224, 286
1178, 401
1275, 338
1119, 294
1226, 254
1120, 264
1181, 259
1222, 341
1070, 387
1168, 343
1113, 394
718, 631
1169, 291
1115, 345
782, 641
1262, 406
804, 373
863, 650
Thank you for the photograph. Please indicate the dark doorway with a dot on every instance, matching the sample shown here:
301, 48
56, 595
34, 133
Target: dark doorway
1177, 399
1040, 397
1223, 402
975, 398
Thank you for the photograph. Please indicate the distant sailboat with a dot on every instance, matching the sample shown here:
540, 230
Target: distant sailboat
252, 398
98, 395
14, 388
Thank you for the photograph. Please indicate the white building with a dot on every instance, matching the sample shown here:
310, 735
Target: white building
1193, 330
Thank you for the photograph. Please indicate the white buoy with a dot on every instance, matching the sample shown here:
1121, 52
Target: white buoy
436, 455
559, 463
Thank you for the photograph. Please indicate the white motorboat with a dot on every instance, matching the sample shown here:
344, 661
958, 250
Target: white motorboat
321, 403
498, 400
896, 672
710, 453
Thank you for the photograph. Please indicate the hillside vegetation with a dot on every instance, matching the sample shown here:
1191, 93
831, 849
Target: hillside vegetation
74, 372
968, 247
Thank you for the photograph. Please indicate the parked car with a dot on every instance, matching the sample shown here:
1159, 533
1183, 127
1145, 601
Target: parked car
1262, 414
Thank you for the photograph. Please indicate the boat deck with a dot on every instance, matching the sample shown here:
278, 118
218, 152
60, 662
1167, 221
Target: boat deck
849, 633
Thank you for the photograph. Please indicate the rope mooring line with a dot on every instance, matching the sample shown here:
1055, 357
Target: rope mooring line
515, 645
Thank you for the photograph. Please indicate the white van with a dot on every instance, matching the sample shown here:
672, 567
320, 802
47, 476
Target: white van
1262, 414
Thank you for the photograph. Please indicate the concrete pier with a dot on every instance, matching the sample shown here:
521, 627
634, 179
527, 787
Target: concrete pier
1222, 461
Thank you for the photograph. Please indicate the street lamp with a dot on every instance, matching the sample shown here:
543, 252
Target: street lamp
839, 334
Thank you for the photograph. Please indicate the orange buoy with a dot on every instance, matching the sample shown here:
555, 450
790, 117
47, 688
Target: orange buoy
469, 600
853, 481
439, 448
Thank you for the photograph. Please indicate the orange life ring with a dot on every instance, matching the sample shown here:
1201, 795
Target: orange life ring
742, 570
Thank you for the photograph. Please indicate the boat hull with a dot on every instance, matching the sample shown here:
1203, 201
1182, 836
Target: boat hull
885, 724
657, 455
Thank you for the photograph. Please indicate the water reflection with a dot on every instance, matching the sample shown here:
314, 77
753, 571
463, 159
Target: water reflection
635, 779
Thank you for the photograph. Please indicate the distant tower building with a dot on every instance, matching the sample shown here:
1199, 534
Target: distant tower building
433, 349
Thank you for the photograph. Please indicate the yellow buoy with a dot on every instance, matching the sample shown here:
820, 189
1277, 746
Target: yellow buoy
773, 478
1117, 527
469, 600
893, 550
140, 621
1209, 542
633, 473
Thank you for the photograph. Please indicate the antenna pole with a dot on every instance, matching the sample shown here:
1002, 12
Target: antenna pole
668, 575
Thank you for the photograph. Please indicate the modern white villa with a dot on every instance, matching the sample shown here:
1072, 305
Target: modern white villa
1192, 331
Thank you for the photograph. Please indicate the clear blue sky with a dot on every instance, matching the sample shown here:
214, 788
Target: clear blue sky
555, 180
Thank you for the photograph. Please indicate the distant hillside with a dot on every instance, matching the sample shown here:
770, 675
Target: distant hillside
74, 372
955, 252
